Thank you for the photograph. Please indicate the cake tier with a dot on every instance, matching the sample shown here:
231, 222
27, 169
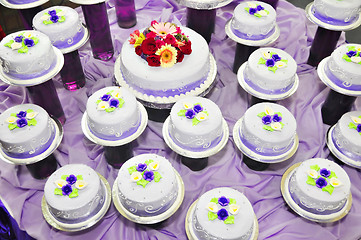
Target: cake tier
337, 12
28, 134
270, 69
306, 191
165, 82
243, 222
199, 131
257, 26
264, 132
347, 135
142, 196
64, 31
85, 203
113, 123
343, 70
27, 62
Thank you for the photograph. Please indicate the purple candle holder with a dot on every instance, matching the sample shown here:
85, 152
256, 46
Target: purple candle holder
27, 16
157, 115
45, 95
195, 164
96, 19
116, 156
242, 55
72, 73
273, 3
255, 100
202, 21
43, 168
125, 10
324, 43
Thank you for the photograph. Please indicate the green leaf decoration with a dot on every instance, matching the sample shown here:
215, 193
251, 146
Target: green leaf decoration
64, 177
98, 101
74, 193
311, 181
13, 115
111, 109
148, 161
121, 102
205, 112
282, 124
57, 10
346, 58
332, 174
79, 177
329, 188
266, 11
315, 167
35, 39
284, 60
229, 220
32, 122
195, 121
182, 112
132, 169
351, 48
61, 19
351, 125
57, 191
273, 69
232, 201
273, 53
47, 22
359, 63
268, 128
214, 200
258, 15
157, 176
261, 61
212, 216
12, 126
262, 114
246, 9
9, 43
24, 49
142, 182
29, 110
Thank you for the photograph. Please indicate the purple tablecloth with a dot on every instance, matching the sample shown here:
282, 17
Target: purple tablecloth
276, 221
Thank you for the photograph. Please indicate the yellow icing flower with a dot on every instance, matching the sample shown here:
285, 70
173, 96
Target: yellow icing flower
263, 13
11, 119
252, 5
103, 105
269, 111
212, 207
276, 126
335, 182
136, 176
60, 183
280, 64
201, 116
154, 165
16, 45
356, 119
358, 48
31, 115
233, 209
80, 184
187, 105
266, 55
116, 93
44, 18
168, 55
312, 173
355, 59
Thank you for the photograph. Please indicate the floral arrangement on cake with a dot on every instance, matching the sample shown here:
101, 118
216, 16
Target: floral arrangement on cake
272, 120
68, 185
22, 43
222, 213
144, 173
194, 112
256, 10
53, 16
355, 124
322, 178
110, 101
273, 61
22, 119
353, 54
162, 44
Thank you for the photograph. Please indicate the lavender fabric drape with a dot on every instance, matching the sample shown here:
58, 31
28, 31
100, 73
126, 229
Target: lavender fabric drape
276, 221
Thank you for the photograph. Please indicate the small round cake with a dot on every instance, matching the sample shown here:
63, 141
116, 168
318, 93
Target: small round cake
74, 193
270, 70
337, 12
113, 113
320, 186
343, 68
268, 129
61, 24
25, 131
223, 213
253, 20
195, 124
26, 55
147, 185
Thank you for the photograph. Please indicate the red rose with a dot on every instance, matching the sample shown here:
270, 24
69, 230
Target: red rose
153, 60
180, 56
138, 50
178, 30
170, 39
151, 34
159, 43
148, 46
186, 48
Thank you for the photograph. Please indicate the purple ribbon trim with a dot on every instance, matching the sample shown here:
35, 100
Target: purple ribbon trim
21, 2
345, 152
338, 82
35, 75
332, 21
253, 37
213, 144
64, 44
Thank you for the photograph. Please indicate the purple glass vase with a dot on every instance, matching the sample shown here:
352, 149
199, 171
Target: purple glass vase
202, 21
273, 3
45, 95
116, 156
27, 16
242, 55
96, 19
72, 73
125, 10
43, 168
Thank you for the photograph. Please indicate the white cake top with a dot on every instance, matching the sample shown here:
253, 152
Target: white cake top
255, 12
348, 58
350, 125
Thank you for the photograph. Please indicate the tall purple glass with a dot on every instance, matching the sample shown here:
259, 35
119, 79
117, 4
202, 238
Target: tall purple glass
242, 55
116, 156
273, 3
202, 21
96, 19
43, 168
125, 10
27, 16
72, 73
45, 95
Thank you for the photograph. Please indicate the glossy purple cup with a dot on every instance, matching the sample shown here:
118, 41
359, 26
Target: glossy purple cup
125, 11
72, 74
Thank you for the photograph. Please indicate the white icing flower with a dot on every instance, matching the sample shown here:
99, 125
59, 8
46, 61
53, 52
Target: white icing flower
31, 115
116, 93
45, 17
60, 183
28, 36
80, 184
11, 119
233, 209
276, 126
312, 173
60, 13
187, 105
136, 176
154, 165
355, 59
280, 64
358, 48
212, 207
201, 116
266, 55
16, 45
356, 119
252, 5
103, 105
263, 13
335, 182
269, 111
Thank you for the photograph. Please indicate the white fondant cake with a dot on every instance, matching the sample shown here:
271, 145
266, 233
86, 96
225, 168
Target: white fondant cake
320, 186
338, 12
270, 69
26, 55
61, 24
268, 129
113, 113
171, 80
253, 20
195, 124
74, 193
147, 185
25, 131
223, 213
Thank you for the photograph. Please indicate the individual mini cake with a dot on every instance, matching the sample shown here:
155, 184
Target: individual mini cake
165, 60
74, 193
113, 113
25, 131
195, 124
223, 213
253, 20
61, 24
26, 55
319, 186
270, 70
147, 185
268, 129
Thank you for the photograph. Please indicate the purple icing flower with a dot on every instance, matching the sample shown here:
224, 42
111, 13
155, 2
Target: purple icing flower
358, 128
21, 114
222, 214
148, 176
259, 8
190, 114
54, 18
18, 39
198, 108
114, 102
71, 179
276, 58
270, 63
267, 119
67, 189
276, 118
321, 182
252, 11
29, 42
223, 201
141, 167
351, 53
105, 97
325, 173
22, 122
52, 12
